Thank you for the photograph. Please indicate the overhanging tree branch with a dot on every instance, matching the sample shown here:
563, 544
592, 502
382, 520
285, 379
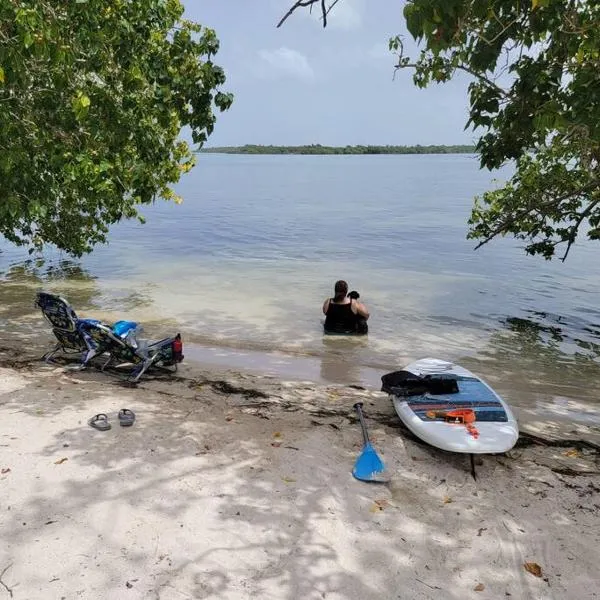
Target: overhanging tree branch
294, 8
464, 68
517, 217
585, 213
325, 10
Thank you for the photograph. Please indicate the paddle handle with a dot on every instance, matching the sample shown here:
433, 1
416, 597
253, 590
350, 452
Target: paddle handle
358, 408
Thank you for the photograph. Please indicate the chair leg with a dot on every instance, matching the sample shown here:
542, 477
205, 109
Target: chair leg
87, 356
141, 370
51, 353
108, 361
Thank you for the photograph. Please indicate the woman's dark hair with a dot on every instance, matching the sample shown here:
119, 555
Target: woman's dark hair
341, 289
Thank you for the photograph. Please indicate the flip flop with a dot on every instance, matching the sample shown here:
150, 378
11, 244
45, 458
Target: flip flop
100, 422
126, 417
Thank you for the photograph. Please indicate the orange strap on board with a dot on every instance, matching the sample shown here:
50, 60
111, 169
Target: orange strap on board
462, 416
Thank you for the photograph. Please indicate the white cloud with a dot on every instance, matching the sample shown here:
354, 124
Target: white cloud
285, 62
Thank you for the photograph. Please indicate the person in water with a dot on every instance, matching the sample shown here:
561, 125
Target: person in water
344, 313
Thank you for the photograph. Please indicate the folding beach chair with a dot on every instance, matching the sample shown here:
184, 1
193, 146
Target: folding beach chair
167, 352
68, 328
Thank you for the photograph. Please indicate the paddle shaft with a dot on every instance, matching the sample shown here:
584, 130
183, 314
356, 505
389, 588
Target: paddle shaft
358, 408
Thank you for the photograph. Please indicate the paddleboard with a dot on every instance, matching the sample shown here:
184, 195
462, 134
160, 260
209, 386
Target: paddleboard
429, 415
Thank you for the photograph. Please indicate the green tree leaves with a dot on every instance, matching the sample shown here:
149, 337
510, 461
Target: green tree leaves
81, 104
93, 97
536, 96
535, 99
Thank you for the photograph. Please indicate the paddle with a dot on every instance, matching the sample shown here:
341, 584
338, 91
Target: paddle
368, 466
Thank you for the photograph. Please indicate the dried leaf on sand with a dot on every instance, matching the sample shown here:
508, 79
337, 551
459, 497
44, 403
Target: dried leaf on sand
533, 568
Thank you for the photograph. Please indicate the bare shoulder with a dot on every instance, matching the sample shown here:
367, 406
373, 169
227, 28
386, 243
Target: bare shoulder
361, 309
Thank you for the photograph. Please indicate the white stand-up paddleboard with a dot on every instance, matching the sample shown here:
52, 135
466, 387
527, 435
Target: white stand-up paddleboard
482, 423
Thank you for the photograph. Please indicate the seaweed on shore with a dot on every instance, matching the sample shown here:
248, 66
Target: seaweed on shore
224, 387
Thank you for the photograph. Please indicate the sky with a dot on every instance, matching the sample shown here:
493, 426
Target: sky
302, 84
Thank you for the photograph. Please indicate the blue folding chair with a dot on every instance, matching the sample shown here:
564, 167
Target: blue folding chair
141, 354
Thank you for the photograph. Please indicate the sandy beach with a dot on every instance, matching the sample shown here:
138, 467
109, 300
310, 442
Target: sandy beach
233, 485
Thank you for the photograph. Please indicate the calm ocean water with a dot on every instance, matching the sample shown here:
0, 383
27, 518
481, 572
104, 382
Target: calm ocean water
243, 265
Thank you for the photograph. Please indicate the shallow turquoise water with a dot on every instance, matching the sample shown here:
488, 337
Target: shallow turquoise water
246, 261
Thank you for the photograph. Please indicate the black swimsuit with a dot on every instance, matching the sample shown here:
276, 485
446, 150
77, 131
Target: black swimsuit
340, 318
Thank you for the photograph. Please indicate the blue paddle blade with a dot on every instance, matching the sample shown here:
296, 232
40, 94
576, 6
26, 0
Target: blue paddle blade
368, 466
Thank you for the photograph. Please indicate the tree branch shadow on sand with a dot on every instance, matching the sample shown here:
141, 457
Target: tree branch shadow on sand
282, 523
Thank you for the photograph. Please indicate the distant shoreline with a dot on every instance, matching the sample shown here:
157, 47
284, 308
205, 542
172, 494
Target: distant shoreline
321, 150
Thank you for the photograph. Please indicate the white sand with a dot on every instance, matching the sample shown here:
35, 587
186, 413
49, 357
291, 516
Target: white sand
213, 495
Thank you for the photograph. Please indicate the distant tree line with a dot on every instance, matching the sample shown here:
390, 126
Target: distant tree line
319, 149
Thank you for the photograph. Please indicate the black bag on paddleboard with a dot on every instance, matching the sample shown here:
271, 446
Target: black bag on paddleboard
405, 383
